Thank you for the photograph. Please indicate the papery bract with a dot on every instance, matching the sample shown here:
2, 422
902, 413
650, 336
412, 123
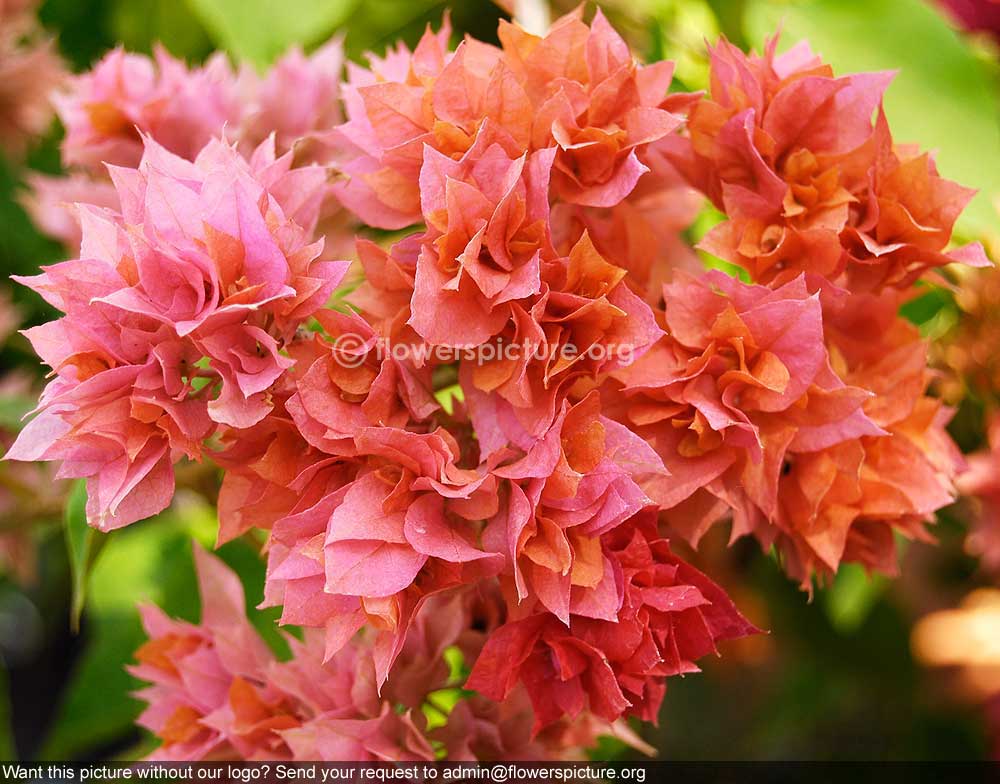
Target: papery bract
470, 453
50, 203
808, 181
394, 523
593, 102
578, 482
742, 383
487, 218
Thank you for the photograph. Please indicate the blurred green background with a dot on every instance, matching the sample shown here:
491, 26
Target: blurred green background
834, 678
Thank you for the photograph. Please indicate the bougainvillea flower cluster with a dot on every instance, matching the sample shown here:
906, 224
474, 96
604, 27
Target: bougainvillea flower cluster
808, 182
176, 316
494, 434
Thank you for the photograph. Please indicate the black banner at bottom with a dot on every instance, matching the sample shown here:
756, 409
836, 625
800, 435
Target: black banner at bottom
500, 772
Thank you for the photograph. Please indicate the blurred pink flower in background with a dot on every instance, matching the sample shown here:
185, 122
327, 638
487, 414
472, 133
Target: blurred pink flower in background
30, 70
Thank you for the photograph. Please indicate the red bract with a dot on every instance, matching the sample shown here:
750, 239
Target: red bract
487, 217
126, 97
350, 384
208, 692
297, 99
218, 691
49, 203
577, 92
642, 234
594, 102
388, 122
670, 616
585, 322
847, 502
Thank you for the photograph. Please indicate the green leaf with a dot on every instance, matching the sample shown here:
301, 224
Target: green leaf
149, 561
96, 709
943, 97
730, 15
12, 411
679, 29
446, 397
851, 598
458, 670
934, 311
608, 748
440, 704
83, 544
261, 30
376, 24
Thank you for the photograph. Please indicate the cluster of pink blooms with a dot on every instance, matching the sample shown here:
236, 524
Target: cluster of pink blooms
108, 111
609, 395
